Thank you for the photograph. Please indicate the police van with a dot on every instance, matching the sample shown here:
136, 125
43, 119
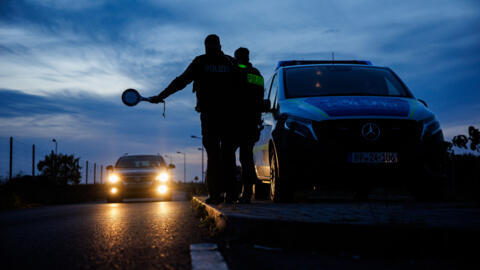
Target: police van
345, 123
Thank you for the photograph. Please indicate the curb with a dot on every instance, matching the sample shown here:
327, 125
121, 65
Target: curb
207, 211
415, 238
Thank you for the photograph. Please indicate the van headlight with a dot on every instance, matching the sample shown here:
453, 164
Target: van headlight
430, 126
163, 177
113, 178
300, 126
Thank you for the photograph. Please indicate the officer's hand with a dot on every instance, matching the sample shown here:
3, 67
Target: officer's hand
155, 99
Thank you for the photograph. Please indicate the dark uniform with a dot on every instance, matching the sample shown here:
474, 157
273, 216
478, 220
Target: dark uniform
251, 98
214, 78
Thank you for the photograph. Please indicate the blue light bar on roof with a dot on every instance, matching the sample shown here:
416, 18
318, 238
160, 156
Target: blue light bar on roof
312, 62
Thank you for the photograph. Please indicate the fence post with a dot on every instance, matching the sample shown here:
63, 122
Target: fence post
11, 165
33, 159
86, 173
94, 173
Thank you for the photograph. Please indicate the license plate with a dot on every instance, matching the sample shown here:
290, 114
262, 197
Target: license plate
373, 157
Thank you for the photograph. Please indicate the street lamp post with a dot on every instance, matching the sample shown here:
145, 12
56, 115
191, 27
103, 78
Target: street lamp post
201, 149
184, 166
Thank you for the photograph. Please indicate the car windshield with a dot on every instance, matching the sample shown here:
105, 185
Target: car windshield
139, 162
342, 81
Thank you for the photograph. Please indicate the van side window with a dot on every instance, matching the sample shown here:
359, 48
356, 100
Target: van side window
273, 91
266, 91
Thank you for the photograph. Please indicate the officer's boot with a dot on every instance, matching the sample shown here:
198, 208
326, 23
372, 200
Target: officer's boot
246, 195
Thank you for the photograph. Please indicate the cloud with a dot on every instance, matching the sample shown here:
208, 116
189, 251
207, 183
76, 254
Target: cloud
62, 125
86, 120
69, 4
43, 63
397, 33
15, 103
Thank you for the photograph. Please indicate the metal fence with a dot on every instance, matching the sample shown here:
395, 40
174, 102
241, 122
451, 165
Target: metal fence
20, 157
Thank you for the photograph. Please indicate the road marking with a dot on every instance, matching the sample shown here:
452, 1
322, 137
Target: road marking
206, 256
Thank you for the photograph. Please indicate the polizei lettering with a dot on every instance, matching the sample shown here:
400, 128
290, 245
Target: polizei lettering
217, 68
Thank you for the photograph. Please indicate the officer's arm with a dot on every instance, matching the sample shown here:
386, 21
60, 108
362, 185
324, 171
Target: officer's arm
180, 82
259, 92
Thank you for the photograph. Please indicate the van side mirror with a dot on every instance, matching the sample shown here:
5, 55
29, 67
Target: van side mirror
109, 168
171, 166
267, 105
423, 102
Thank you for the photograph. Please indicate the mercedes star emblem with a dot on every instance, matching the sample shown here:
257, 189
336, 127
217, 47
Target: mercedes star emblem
370, 131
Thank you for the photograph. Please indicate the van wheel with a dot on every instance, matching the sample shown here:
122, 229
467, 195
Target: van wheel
280, 190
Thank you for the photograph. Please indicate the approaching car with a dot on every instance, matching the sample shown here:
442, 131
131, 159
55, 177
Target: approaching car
345, 123
139, 175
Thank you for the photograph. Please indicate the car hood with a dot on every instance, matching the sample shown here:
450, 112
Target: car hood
332, 107
128, 171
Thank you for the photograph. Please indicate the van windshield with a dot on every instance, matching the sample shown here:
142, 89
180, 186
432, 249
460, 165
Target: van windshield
338, 80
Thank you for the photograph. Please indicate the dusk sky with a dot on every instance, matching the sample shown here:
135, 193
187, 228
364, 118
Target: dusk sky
64, 64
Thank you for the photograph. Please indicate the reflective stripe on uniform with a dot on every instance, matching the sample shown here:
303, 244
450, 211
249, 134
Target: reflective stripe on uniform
255, 79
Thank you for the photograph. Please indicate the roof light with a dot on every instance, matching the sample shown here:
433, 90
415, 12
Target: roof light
312, 62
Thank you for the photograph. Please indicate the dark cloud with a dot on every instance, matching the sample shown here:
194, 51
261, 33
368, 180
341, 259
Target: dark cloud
17, 104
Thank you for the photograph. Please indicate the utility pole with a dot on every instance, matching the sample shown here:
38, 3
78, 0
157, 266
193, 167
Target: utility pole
55, 165
86, 173
52, 173
94, 173
33, 159
11, 160
101, 174
56, 146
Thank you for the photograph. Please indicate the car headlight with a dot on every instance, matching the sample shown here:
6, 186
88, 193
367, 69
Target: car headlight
431, 126
162, 189
163, 177
300, 126
113, 178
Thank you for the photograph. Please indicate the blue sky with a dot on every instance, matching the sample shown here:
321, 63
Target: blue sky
64, 64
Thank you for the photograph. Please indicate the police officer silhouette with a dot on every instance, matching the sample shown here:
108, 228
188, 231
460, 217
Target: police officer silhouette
250, 94
214, 79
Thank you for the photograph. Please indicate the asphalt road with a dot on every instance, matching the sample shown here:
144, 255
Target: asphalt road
142, 234
148, 234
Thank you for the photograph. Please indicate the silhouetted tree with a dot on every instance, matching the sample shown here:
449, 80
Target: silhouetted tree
473, 138
63, 169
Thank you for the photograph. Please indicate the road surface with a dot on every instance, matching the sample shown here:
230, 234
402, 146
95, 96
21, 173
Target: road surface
132, 235
149, 234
